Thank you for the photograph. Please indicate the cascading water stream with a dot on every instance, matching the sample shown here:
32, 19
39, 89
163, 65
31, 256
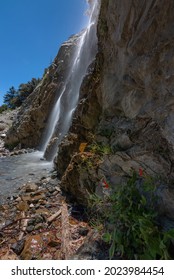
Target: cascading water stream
61, 115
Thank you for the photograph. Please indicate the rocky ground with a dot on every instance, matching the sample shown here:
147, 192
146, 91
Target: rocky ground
39, 222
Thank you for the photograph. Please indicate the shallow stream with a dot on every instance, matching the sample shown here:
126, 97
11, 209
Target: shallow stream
20, 169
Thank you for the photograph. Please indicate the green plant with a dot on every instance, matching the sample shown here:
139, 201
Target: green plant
100, 148
130, 221
95, 205
132, 228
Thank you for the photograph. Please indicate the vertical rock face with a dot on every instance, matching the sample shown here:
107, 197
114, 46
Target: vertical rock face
127, 101
136, 39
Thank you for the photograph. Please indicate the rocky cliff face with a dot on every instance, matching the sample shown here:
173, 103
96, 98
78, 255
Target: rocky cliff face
126, 107
127, 102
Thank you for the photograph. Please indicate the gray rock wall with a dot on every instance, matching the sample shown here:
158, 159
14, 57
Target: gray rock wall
127, 101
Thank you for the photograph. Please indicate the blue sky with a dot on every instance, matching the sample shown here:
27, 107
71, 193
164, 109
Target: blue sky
31, 32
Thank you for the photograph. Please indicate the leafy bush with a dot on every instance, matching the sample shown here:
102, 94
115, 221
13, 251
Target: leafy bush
131, 223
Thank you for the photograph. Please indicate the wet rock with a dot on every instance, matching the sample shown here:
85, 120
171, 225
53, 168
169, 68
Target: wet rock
51, 147
54, 175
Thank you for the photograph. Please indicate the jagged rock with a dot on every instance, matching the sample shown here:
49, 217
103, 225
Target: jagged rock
49, 153
79, 178
66, 150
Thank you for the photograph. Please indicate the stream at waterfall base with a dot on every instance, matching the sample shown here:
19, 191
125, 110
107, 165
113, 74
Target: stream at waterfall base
37, 221
20, 169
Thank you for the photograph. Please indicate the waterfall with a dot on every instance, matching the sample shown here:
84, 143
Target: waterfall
61, 116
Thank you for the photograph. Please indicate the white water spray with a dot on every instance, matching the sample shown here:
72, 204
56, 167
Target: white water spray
61, 116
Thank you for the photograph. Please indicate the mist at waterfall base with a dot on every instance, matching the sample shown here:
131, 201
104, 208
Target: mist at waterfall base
17, 170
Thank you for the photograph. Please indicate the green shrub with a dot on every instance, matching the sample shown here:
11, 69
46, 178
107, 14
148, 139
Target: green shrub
131, 223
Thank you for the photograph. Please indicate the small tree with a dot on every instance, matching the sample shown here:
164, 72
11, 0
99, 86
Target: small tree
26, 89
9, 98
